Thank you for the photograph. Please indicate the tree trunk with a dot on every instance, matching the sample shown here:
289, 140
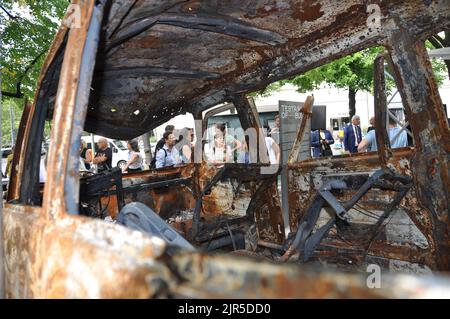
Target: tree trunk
147, 148
351, 101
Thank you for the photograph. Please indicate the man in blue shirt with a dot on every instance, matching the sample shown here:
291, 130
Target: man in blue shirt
168, 154
396, 139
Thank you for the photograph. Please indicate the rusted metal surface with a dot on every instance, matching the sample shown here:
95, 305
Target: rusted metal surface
156, 68
242, 194
147, 61
61, 191
380, 103
53, 258
166, 201
237, 195
249, 118
308, 176
266, 208
204, 276
301, 196
56, 260
19, 152
425, 113
166, 191
302, 141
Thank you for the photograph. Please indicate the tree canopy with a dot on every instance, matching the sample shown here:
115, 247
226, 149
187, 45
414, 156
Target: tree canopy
353, 73
27, 28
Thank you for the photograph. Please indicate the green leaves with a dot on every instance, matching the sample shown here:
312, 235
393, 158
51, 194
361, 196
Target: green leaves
353, 71
27, 28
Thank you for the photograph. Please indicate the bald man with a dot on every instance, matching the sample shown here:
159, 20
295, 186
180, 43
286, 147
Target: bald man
103, 157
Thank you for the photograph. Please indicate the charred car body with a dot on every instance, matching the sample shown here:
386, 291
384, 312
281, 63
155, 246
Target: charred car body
121, 68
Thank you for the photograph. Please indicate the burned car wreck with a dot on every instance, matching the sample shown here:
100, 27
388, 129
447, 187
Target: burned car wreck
129, 66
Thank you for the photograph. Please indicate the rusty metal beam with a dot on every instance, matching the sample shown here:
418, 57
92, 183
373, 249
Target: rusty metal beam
211, 23
380, 103
249, 118
424, 110
198, 204
155, 72
19, 152
70, 113
301, 149
204, 276
265, 209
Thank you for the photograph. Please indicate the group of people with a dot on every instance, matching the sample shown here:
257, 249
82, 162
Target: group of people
171, 150
225, 148
103, 157
353, 140
397, 137
176, 147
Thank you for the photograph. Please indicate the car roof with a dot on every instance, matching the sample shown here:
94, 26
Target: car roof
158, 59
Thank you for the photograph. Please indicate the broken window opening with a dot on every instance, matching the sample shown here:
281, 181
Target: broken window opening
35, 141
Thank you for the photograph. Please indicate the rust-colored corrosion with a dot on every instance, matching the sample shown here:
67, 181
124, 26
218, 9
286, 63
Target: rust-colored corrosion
164, 58
307, 176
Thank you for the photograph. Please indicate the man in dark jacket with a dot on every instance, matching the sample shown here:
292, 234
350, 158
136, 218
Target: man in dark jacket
321, 141
352, 135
